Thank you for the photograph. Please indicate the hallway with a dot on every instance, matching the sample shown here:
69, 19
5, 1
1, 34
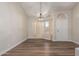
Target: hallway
39, 29
42, 47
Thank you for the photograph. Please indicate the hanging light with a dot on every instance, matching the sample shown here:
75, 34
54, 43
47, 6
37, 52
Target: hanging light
40, 17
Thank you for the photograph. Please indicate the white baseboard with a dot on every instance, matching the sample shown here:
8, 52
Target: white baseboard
77, 42
3, 52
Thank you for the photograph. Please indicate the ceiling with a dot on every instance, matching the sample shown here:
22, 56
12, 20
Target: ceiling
33, 8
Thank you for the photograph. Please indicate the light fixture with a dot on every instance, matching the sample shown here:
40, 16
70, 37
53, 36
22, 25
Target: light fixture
40, 17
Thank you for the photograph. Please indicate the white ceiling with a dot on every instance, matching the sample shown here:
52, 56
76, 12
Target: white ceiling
33, 8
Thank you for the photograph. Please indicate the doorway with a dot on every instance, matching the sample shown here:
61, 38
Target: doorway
61, 27
42, 29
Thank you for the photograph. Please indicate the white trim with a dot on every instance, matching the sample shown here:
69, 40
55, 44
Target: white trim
12, 46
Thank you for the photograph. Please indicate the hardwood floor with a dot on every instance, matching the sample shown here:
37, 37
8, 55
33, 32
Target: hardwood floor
42, 47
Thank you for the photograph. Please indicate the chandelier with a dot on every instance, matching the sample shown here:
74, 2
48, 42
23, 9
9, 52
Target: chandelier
40, 17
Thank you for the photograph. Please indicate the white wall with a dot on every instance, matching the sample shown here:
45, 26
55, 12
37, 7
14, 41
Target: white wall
13, 29
30, 28
75, 24
69, 25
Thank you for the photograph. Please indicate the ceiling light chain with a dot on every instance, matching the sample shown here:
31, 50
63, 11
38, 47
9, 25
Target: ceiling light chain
40, 16
40, 9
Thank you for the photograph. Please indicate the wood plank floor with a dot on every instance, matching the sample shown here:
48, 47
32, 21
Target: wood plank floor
42, 47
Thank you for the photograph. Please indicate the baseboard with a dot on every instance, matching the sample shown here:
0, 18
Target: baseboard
54, 39
76, 42
12, 47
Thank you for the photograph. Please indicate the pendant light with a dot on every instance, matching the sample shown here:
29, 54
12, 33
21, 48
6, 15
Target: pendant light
40, 17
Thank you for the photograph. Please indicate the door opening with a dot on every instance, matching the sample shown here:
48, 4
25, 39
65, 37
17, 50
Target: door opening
43, 29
